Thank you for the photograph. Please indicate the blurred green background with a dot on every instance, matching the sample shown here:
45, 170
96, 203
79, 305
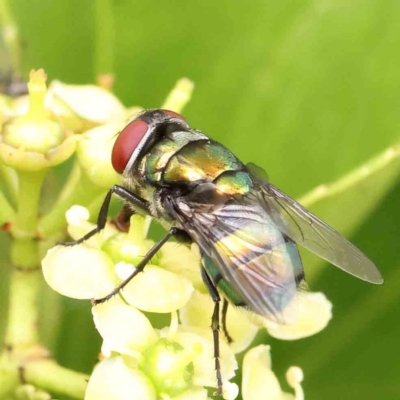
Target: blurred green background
309, 90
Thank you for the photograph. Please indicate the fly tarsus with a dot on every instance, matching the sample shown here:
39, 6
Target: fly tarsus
120, 191
139, 268
214, 327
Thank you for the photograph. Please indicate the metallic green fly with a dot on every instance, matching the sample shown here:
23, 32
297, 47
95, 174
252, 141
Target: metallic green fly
246, 228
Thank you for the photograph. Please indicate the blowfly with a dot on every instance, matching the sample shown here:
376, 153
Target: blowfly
246, 228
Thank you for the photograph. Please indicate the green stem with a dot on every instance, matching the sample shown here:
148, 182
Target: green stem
71, 183
105, 37
9, 376
10, 177
51, 377
83, 193
11, 37
21, 331
351, 179
7, 213
30, 184
179, 96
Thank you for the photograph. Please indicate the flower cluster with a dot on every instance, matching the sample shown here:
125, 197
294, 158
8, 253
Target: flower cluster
176, 361
143, 353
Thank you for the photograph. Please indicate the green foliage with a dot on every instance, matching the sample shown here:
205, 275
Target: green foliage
309, 90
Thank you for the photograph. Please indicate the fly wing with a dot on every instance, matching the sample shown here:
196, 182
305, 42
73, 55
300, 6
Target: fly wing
251, 255
309, 231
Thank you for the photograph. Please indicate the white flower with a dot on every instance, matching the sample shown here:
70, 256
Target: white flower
259, 382
198, 311
91, 270
310, 314
113, 379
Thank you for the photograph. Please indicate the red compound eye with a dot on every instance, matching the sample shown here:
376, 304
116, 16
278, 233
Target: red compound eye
174, 114
126, 143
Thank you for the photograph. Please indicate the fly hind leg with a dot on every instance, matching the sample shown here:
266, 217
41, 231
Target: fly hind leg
215, 327
225, 305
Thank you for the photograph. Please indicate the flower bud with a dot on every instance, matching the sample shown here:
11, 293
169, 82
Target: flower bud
169, 366
294, 377
121, 248
29, 392
32, 142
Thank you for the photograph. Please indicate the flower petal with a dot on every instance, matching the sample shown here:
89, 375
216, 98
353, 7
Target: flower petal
257, 376
123, 326
94, 154
204, 364
157, 290
178, 258
79, 272
311, 312
193, 394
89, 102
113, 379
198, 312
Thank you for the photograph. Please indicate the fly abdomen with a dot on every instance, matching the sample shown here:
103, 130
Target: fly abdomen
263, 263
221, 283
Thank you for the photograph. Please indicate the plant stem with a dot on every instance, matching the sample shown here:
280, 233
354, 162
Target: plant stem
179, 96
9, 176
21, 331
30, 184
46, 374
351, 179
6, 211
9, 376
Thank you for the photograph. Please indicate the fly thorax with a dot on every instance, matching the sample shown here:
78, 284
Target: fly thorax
155, 162
199, 160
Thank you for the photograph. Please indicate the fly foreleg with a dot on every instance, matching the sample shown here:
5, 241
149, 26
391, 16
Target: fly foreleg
140, 266
102, 218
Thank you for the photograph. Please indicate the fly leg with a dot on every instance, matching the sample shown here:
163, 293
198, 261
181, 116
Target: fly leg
102, 218
225, 305
214, 326
140, 266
